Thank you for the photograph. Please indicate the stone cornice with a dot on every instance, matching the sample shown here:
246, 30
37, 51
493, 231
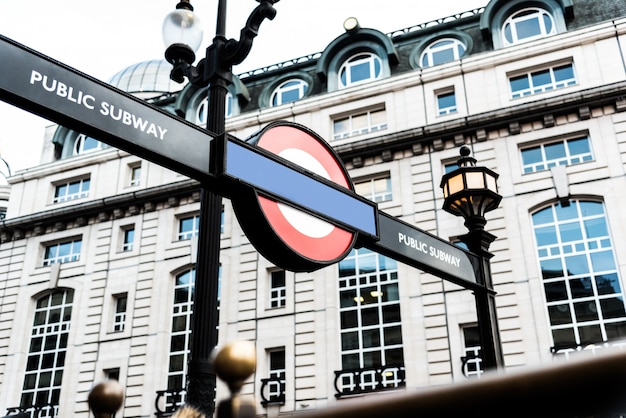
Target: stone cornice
477, 127
99, 210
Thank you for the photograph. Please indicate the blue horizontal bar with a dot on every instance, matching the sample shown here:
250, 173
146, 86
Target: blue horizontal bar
300, 189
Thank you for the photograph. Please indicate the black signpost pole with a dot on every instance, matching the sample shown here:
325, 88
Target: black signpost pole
214, 71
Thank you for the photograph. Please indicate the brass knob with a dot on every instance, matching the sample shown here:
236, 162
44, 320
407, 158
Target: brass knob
106, 398
234, 363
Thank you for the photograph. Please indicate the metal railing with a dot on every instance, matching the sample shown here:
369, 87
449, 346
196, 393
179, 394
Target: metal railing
367, 380
168, 401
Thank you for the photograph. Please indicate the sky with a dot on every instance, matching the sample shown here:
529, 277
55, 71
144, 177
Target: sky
100, 38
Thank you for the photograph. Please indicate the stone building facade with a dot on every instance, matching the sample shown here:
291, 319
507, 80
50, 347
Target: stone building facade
98, 247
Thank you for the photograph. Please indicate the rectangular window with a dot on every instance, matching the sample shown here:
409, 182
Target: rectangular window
446, 103
372, 354
472, 361
377, 189
359, 123
276, 383
135, 175
565, 152
534, 82
128, 239
119, 319
112, 374
278, 290
188, 227
75, 189
62, 252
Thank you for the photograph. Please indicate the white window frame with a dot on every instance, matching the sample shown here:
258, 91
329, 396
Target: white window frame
73, 246
134, 175
84, 184
428, 57
344, 126
202, 111
346, 74
190, 233
445, 110
366, 187
292, 85
276, 388
546, 162
80, 142
119, 317
365, 291
553, 83
581, 280
278, 291
52, 321
128, 245
523, 16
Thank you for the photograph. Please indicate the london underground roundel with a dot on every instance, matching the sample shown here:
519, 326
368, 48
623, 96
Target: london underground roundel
289, 237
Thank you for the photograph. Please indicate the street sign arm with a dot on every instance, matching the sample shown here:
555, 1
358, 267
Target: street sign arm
410, 245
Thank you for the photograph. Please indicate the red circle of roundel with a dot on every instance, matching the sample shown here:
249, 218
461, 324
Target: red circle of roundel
333, 245
288, 237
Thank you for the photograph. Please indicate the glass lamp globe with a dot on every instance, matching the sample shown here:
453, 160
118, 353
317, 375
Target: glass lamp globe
182, 26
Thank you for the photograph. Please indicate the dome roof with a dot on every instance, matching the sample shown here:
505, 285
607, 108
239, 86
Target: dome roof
146, 79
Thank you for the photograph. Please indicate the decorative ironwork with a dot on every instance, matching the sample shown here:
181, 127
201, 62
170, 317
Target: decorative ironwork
275, 389
168, 401
34, 411
399, 32
367, 380
471, 363
569, 350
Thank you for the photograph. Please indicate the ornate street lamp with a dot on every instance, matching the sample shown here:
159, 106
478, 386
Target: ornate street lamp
470, 192
183, 35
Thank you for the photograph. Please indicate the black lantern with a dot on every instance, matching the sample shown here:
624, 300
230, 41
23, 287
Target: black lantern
470, 191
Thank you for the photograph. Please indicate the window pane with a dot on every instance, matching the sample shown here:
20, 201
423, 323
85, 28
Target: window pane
528, 28
555, 291
541, 78
559, 314
607, 284
581, 288
555, 151
546, 236
519, 83
551, 268
563, 73
613, 308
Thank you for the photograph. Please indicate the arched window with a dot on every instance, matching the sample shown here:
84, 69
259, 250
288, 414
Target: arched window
360, 68
203, 108
526, 25
442, 51
182, 313
289, 91
181, 333
46, 355
583, 294
85, 144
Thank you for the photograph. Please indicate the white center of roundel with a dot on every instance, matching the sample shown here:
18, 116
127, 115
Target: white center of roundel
306, 224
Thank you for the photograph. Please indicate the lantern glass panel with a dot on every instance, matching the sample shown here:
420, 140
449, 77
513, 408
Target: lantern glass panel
455, 184
491, 183
475, 180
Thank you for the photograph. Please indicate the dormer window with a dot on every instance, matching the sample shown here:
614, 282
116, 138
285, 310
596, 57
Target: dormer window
360, 68
442, 51
289, 91
85, 144
526, 25
203, 108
